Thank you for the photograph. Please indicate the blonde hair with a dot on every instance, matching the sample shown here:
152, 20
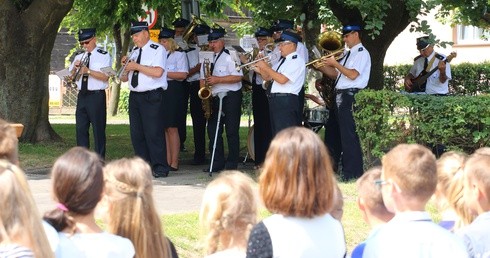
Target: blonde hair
228, 211
370, 194
297, 178
20, 222
413, 168
8, 142
173, 45
478, 167
132, 212
451, 185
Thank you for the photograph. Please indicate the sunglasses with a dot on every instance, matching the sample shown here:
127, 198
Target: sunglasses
85, 42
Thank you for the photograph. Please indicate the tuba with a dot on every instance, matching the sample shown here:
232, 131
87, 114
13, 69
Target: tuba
331, 44
204, 93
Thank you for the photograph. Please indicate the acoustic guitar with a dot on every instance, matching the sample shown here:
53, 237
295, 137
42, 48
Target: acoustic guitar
418, 83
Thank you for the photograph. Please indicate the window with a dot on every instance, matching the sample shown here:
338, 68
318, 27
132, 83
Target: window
471, 35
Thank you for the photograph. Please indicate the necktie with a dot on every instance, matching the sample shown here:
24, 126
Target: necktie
426, 63
134, 78
254, 78
84, 88
268, 90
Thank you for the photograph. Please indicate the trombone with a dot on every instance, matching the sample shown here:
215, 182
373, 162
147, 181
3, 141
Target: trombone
337, 54
268, 56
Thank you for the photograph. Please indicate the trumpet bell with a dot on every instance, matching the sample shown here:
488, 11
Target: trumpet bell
330, 41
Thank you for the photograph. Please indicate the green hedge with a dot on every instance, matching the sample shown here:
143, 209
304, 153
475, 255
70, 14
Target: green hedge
386, 118
467, 79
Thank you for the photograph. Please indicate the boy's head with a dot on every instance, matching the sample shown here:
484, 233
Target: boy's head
408, 177
477, 182
370, 200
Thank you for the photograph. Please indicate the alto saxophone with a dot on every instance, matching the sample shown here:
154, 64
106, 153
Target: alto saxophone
205, 91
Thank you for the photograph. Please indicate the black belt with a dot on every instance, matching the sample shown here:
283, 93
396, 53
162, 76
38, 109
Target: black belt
148, 91
273, 95
90, 92
349, 90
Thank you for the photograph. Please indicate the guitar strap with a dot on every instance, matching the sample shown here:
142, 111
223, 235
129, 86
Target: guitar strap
429, 66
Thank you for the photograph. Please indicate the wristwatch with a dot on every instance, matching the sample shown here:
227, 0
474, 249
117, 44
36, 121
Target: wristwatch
88, 72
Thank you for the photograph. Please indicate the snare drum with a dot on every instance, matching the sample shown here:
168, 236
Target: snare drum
316, 116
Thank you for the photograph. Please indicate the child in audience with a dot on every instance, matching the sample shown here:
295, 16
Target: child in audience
8, 143
297, 185
371, 205
338, 207
228, 213
131, 211
21, 231
449, 191
78, 184
408, 180
477, 195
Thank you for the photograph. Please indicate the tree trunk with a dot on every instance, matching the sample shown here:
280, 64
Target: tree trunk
27, 37
396, 20
122, 44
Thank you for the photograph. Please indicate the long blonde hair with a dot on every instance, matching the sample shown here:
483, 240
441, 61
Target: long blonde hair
20, 222
228, 211
132, 212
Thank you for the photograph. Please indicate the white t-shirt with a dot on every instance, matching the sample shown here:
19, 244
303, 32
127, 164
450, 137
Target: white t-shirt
96, 245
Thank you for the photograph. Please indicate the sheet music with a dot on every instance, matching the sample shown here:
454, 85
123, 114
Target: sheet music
108, 71
63, 73
202, 40
206, 54
248, 43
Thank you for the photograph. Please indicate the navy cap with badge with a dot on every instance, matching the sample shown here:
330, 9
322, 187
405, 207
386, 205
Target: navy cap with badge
84, 34
350, 28
217, 33
202, 29
137, 26
263, 32
288, 35
281, 25
166, 33
423, 42
181, 23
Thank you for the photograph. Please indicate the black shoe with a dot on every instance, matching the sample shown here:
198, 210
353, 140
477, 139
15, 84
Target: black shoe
158, 174
206, 170
173, 169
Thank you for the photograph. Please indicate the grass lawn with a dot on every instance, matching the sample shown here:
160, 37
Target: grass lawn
182, 229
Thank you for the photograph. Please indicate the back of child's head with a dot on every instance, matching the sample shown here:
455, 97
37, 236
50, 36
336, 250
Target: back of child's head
78, 182
338, 206
20, 222
229, 207
370, 195
8, 143
413, 168
131, 209
450, 186
477, 171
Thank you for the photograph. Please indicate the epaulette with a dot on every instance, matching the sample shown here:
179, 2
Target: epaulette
102, 51
226, 51
179, 50
439, 56
417, 57
360, 49
189, 49
154, 46
295, 56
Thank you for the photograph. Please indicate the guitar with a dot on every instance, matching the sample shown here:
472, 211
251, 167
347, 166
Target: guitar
418, 83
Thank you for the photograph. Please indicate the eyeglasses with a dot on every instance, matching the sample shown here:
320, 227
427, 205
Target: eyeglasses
346, 35
283, 43
379, 183
85, 42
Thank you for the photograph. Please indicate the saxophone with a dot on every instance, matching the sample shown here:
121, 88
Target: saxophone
205, 91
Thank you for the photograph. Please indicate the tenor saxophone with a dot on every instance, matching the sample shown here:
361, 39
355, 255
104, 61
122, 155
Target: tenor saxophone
205, 91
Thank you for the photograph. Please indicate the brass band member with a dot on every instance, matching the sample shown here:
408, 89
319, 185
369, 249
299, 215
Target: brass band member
91, 101
288, 76
147, 81
197, 113
175, 95
351, 74
224, 78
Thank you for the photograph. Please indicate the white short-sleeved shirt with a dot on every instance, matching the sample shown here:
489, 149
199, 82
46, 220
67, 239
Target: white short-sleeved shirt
433, 86
223, 66
153, 55
177, 62
360, 60
193, 58
413, 234
228, 253
302, 51
98, 59
294, 69
95, 245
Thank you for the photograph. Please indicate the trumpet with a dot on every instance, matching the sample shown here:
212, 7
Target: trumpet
267, 58
337, 54
83, 63
120, 72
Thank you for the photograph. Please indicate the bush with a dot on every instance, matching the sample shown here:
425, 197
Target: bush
123, 105
386, 118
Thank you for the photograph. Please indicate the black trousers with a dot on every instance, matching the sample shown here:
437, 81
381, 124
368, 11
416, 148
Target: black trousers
232, 104
262, 123
198, 122
341, 137
182, 125
91, 110
284, 111
147, 128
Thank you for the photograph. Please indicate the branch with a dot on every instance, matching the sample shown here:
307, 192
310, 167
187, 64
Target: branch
43, 14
